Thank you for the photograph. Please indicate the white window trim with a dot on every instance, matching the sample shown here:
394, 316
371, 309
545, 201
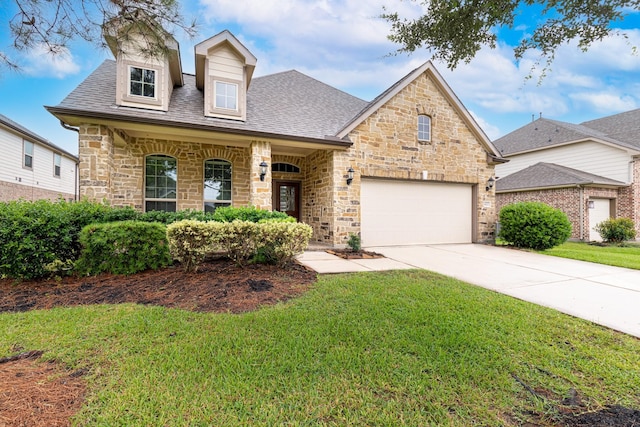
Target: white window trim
144, 188
24, 153
430, 128
204, 200
237, 97
128, 97
238, 113
57, 156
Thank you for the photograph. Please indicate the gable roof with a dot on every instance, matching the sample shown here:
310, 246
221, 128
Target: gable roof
278, 105
444, 88
542, 133
550, 175
33, 137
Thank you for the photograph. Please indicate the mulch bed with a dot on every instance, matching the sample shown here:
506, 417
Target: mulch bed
45, 394
351, 254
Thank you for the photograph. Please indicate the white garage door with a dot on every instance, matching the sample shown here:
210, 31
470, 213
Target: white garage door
598, 213
407, 213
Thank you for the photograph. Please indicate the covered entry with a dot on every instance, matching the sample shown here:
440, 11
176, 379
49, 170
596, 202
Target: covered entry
406, 213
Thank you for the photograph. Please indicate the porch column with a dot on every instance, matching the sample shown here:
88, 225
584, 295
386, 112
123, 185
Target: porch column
260, 192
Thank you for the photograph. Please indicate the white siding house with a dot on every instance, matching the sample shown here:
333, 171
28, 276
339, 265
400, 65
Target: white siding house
33, 168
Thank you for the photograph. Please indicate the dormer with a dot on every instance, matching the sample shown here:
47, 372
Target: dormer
144, 80
224, 68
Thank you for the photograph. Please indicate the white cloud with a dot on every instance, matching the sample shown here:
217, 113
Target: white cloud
42, 62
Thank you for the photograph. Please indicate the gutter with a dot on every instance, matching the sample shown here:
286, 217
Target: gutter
338, 143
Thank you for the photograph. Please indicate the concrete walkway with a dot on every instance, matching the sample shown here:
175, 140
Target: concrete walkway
609, 296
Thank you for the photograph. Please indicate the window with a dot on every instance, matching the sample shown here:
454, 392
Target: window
284, 167
424, 128
28, 154
226, 95
160, 190
142, 82
57, 164
217, 184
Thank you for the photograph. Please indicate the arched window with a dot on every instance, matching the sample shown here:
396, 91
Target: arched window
217, 184
284, 167
161, 178
424, 128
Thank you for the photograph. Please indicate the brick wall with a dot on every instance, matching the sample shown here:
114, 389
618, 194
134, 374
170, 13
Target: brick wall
10, 191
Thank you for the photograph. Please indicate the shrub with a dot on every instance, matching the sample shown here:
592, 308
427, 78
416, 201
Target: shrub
533, 225
125, 247
354, 242
616, 230
279, 242
191, 241
268, 241
247, 213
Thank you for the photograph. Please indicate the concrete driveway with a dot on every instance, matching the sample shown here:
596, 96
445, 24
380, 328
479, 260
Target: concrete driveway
609, 296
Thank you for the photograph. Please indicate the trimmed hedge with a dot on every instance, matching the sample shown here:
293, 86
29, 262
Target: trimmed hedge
533, 225
267, 241
42, 237
616, 230
125, 247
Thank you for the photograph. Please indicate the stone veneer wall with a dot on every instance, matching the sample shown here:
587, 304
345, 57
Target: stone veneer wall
124, 186
386, 146
10, 191
317, 196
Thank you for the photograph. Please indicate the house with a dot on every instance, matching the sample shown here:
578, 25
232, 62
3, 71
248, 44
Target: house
590, 171
409, 167
32, 167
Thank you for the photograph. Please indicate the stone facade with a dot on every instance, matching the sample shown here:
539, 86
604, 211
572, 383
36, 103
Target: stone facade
385, 145
10, 191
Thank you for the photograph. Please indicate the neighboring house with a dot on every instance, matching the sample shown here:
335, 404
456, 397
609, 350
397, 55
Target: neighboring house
411, 166
33, 168
590, 171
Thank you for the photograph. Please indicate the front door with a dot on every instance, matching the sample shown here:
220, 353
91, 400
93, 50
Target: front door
286, 198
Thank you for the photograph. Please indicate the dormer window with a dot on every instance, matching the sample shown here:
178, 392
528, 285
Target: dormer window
142, 82
226, 96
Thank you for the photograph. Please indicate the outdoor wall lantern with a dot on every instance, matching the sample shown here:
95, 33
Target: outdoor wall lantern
490, 183
591, 204
350, 176
263, 170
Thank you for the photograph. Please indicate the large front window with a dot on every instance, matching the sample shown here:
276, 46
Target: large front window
226, 96
217, 184
161, 177
142, 82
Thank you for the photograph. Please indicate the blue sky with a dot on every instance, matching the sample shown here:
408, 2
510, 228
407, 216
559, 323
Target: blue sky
342, 43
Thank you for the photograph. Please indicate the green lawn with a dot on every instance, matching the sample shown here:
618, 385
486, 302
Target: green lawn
397, 348
620, 256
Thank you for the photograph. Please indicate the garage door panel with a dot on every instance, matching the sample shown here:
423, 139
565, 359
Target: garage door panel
405, 213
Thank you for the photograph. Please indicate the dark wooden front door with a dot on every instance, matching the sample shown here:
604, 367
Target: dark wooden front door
286, 198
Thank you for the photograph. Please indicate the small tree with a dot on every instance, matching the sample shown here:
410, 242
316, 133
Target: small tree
616, 230
533, 225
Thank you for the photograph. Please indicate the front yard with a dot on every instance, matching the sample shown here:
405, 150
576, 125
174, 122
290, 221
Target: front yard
627, 255
395, 348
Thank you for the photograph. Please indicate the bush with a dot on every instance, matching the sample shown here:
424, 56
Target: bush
125, 247
33, 235
616, 230
533, 225
268, 241
354, 242
248, 213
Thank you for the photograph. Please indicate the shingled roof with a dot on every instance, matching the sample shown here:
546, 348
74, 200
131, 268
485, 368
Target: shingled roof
549, 175
289, 104
543, 133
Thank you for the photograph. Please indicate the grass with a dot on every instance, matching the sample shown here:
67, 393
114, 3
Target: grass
620, 256
390, 348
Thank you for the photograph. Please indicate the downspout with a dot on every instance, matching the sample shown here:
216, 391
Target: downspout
75, 178
581, 212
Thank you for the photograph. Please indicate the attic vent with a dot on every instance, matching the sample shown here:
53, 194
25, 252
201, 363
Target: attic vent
284, 167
